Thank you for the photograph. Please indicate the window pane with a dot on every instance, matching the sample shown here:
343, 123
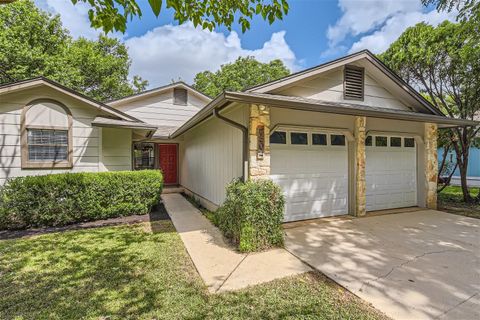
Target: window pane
41, 153
368, 141
409, 142
395, 142
144, 156
381, 141
319, 139
48, 137
278, 137
337, 140
298, 138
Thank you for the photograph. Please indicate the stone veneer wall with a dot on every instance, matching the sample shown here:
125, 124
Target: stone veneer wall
259, 167
360, 160
431, 165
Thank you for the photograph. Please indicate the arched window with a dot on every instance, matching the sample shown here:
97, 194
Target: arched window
46, 135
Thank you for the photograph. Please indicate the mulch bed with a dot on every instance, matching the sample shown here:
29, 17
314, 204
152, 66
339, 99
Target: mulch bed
158, 213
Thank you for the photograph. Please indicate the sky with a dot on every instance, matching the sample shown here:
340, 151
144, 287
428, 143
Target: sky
313, 32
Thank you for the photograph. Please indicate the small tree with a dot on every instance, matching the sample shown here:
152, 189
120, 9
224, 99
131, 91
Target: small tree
239, 75
444, 63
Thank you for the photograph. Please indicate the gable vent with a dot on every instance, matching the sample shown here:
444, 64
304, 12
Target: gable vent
180, 96
353, 84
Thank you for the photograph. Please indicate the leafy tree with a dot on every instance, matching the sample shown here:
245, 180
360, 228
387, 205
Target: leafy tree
34, 43
467, 9
239, 75
113, 14
444, 63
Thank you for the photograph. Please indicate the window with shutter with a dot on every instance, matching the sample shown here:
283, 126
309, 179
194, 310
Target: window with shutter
354, 82
180, 96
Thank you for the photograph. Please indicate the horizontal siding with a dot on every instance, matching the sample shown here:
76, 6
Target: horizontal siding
329, 87
211, 156
116, 149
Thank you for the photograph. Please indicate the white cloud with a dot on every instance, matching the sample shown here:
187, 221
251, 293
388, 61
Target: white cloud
74, 17
377, 22
171, 52
380, 40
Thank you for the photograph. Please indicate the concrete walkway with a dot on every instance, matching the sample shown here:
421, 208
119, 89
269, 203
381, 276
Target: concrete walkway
220, 266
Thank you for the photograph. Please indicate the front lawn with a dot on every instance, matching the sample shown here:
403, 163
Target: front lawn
143, 271
451, 200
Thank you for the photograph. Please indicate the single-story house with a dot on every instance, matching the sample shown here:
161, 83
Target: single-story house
346, 137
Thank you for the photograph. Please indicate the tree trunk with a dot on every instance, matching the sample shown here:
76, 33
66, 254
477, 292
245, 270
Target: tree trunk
463, 178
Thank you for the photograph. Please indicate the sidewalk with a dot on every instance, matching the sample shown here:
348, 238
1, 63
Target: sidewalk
221, 267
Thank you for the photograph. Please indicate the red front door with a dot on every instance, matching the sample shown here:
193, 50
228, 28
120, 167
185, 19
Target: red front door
167, 154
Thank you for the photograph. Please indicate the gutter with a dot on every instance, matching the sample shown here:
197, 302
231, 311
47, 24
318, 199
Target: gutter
244, 138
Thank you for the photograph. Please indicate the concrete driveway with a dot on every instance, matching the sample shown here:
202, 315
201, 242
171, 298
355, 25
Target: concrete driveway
414, 265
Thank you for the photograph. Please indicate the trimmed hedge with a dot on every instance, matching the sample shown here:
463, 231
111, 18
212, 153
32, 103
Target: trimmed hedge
252, 215
61, 199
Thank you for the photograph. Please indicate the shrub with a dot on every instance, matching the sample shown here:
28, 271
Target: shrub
61, 199
252, 214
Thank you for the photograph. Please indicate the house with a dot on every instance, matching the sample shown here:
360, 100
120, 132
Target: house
346, 137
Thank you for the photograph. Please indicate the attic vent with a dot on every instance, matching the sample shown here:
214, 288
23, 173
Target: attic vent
353, 84
180, 96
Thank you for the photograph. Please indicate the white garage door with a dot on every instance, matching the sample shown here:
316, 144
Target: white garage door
312, 169
391, 172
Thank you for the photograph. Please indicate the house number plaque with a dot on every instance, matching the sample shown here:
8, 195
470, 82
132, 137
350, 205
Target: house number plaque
260, 142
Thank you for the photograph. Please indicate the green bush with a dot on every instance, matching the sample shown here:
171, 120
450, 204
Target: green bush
61, 199
252, 215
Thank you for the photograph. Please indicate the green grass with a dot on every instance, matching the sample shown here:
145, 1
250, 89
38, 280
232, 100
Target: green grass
451, 200
130, 272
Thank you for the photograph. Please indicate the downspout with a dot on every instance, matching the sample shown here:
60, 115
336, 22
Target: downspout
244, 142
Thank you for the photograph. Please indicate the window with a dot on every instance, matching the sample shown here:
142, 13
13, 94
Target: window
46, 135
143, 156
278, 137
180, 96
381, 141
409, 143
353, 84
395, 142
47, 145
319, 139
298, 138
368, 141
337, 140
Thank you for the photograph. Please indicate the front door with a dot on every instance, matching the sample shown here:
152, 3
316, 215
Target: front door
167, 155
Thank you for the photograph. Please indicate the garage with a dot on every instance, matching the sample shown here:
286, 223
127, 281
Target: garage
312, 169
391, 172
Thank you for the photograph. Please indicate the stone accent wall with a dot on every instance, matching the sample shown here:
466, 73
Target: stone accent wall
431, 165
259, 165
360, 159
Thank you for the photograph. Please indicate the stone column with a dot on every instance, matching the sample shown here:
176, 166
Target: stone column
259, 142
360, 159
431, 165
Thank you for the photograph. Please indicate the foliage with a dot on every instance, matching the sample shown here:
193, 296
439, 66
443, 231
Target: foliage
34, 43
208, 14
239, 75
444, 63
128, 273
61, 199
252, 215
467, 9
451, 200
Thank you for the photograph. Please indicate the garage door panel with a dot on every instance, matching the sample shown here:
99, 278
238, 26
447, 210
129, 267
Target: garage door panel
391, 178
313, 179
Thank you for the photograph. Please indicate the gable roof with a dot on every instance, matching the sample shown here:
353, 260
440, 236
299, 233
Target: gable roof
39, 81
179, 84
364, 54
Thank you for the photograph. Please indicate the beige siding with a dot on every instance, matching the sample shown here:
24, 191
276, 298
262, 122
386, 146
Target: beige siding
211, 156
116, 149
86, 139
159, 109
329, 87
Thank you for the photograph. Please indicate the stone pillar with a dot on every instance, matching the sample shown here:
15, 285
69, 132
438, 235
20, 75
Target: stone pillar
360, 159
431, 165
259, 142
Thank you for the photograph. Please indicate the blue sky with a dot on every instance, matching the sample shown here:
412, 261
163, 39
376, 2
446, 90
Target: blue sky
313, 32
